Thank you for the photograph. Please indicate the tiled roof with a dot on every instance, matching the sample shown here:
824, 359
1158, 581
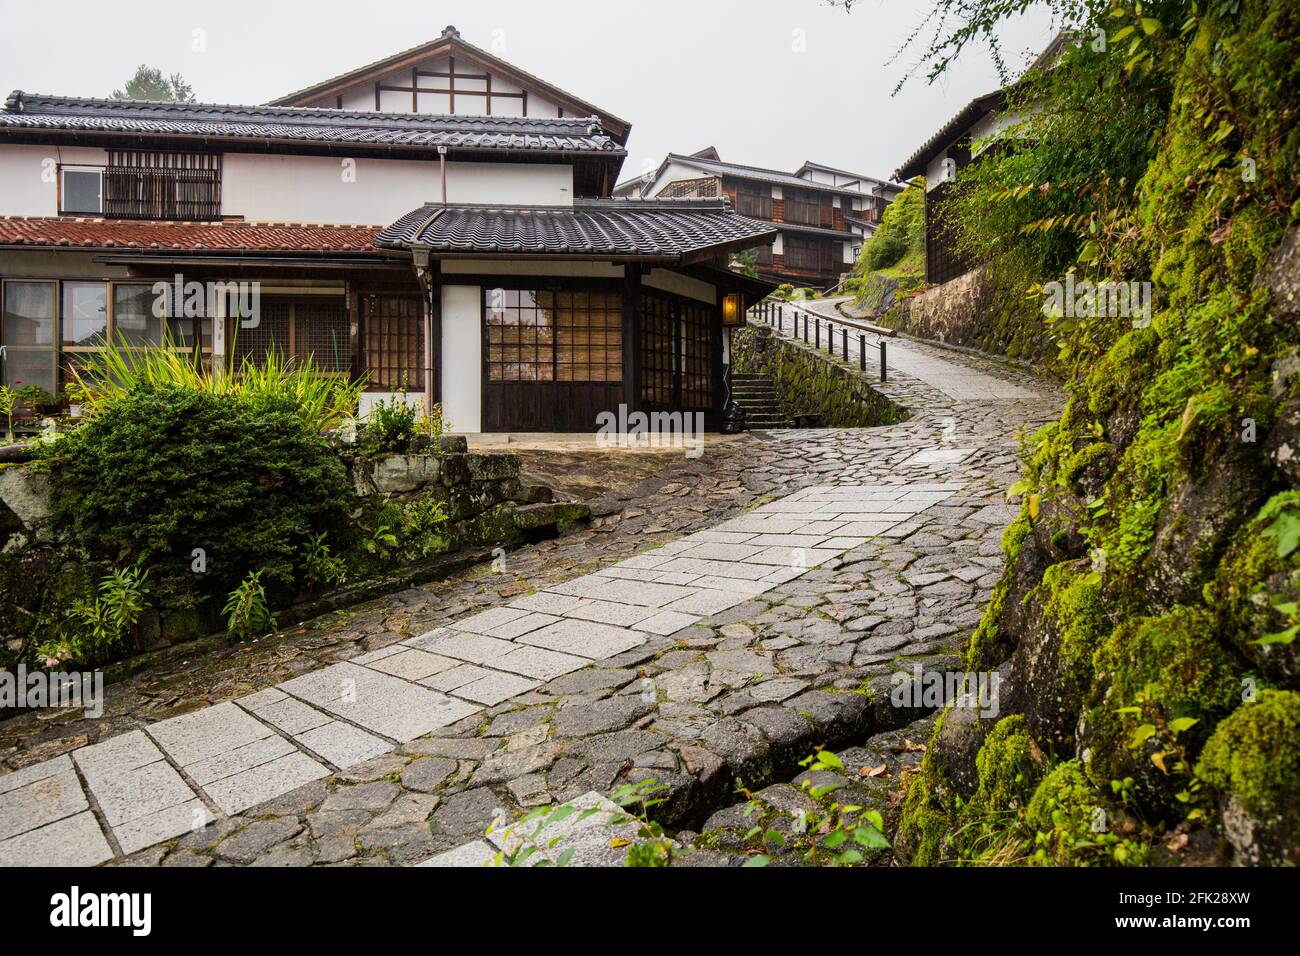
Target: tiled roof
27, 111
656, 229
815, 230
212, 237
916, 163
759, 174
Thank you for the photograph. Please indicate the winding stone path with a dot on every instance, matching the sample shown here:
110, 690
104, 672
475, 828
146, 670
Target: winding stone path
726, 652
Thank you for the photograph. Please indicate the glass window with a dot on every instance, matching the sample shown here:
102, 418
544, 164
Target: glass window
22, 368
85, 314
28, 314
134, 322
83, 190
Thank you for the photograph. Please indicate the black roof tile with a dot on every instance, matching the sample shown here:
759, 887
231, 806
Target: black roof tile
668, 229
26, 111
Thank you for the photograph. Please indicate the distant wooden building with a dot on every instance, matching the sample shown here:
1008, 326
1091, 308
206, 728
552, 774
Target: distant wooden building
822, 214
942, 157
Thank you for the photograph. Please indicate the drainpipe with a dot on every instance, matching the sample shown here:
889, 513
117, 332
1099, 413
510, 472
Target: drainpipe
442, 171
420, 259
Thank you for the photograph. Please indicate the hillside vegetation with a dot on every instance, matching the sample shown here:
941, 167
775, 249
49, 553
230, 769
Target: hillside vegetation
1146, 623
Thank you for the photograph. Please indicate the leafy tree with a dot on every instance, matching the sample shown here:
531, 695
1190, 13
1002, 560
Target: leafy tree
901, 232
150, 84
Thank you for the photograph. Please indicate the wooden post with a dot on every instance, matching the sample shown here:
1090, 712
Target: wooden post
884, 371
846, 343
862, 351
631, 336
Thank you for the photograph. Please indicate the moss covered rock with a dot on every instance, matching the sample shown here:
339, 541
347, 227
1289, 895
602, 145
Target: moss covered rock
1253, 761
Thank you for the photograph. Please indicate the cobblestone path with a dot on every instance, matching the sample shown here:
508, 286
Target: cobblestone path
725, 616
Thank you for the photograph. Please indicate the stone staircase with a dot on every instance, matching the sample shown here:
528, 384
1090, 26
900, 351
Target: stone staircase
756, 394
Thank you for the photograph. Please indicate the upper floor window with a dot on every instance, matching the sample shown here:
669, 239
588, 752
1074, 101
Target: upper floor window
754, 201
81, 190
807, 208
144, 185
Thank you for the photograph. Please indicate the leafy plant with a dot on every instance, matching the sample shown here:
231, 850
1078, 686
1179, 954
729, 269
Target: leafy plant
274, 382
98, 626
321, 567
246, 612
390, 427
651, 846
8, 399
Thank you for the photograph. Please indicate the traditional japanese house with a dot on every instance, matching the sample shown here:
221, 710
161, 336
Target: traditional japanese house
821, 214
439, 221
957, 144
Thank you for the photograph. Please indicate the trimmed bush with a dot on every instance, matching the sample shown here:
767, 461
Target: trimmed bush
163, 471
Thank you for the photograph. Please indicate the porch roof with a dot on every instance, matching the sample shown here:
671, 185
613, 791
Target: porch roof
670, 230
189, 237
36, 113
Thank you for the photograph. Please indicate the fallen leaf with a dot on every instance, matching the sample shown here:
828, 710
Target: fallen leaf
872, 771
913, 746
616, 843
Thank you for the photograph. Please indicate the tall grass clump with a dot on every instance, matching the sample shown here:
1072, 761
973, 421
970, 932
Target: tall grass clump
322, 400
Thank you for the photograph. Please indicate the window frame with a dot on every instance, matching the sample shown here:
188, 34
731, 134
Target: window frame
64, 169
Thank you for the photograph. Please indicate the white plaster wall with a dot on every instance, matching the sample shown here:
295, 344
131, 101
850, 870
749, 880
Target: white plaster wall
462, 358
494, 267
688, 286
534, 184
370, 399
28, 183
675, 172
362, 95
934, 171
849, 257
315, 189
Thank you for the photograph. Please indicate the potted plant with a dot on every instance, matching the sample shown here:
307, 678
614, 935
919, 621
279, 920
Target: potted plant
37, 401
75, 396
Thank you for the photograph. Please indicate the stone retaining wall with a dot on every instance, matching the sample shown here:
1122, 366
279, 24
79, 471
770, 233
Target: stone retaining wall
972, 312
814, 389
486, 502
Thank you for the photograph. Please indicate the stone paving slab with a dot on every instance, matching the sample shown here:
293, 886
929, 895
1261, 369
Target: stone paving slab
380, 703
597, 835
52, 792
141, 796
74, 841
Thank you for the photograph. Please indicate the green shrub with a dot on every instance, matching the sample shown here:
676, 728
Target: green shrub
901, 232
390, 427
163, 471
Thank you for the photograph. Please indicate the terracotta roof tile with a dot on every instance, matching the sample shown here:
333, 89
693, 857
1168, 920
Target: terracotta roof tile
185, 236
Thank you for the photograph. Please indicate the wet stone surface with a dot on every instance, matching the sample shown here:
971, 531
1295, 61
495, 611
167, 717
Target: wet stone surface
768, 590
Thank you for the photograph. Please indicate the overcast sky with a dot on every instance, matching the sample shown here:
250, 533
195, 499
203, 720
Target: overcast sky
768, 82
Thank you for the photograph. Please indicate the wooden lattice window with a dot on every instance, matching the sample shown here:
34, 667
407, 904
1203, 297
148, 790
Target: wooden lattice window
697, 330
658, 346
553, 335
754, 201
157, 185
393, 342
